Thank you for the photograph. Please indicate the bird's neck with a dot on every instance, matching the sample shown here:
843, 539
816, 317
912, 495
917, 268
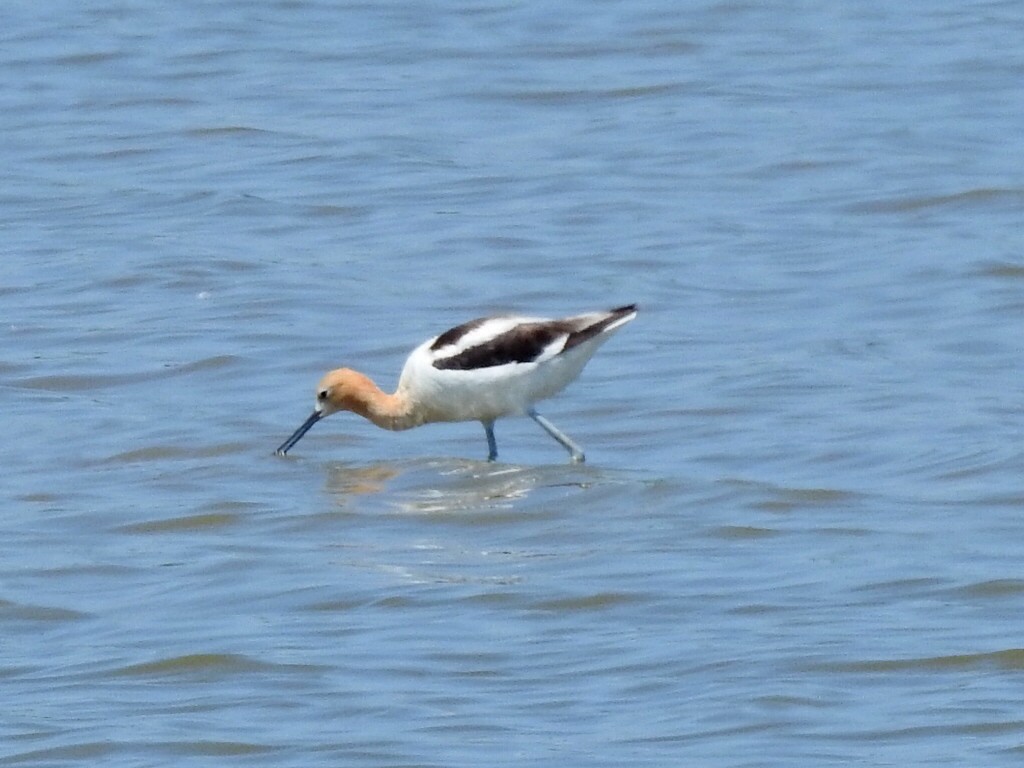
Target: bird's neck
394, 412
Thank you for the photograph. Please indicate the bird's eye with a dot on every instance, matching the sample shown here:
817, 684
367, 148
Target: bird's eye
321, 395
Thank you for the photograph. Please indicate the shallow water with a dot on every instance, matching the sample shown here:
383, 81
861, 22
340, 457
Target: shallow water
797, 537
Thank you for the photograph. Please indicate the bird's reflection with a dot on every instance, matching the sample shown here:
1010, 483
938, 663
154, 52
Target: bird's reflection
446, 486
344, 480
459, 521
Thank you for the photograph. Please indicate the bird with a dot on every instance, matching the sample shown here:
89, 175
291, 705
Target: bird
481, 370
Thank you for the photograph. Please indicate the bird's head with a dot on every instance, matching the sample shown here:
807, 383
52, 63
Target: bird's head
340, 390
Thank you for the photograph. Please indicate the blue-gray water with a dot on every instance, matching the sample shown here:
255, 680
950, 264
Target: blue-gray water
798, 537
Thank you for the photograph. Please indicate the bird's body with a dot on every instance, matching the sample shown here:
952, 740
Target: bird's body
478, 371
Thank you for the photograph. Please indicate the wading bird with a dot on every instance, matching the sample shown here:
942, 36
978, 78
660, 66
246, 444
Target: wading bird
478, 371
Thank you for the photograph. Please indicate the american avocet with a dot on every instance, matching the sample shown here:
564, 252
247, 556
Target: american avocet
478, 371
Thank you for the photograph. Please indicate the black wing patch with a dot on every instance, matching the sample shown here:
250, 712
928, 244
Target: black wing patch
452, 335
522, 344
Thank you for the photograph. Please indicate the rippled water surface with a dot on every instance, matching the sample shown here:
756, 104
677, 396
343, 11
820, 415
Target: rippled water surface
798, 536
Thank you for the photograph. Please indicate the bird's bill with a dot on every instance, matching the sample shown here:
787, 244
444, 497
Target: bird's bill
297, 435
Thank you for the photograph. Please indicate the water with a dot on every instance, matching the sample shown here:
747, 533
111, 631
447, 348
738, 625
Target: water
796, 540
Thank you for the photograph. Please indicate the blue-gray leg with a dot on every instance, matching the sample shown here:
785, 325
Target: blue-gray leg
574, 450
492, 445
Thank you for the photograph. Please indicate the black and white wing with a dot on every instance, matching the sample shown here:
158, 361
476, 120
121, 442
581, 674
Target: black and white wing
493, 341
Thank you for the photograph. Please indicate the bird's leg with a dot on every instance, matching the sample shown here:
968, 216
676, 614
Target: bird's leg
574, 450
492, 445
